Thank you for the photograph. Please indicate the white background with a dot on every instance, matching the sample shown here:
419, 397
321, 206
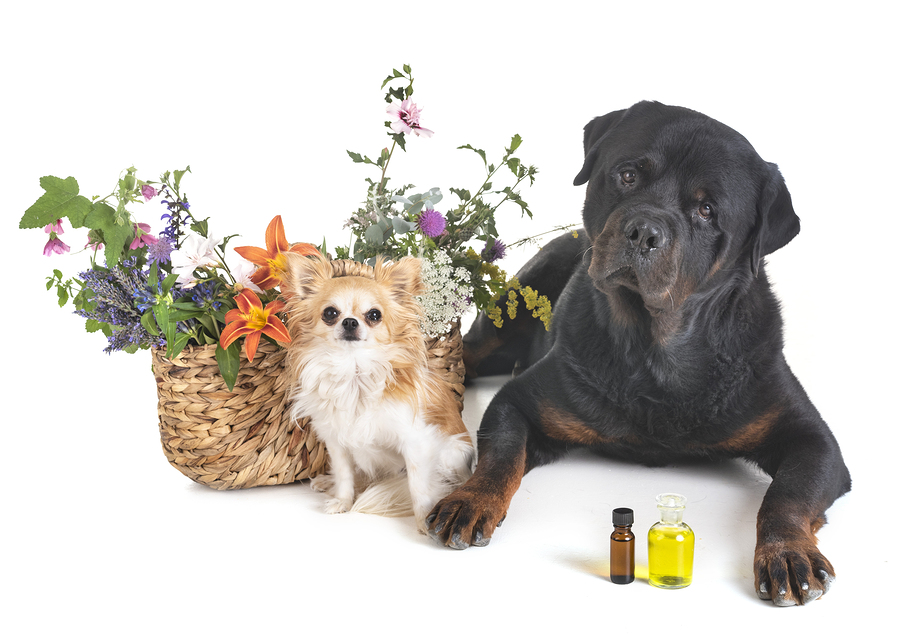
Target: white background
262, 100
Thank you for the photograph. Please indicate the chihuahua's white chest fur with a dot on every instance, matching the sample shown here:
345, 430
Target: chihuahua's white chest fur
373, 437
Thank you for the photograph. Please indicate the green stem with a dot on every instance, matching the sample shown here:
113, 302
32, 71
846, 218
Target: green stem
384, 169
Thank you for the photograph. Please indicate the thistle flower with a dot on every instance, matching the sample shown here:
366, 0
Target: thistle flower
496, 252
432, 223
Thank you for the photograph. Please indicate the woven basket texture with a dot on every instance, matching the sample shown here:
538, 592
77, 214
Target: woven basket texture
244, 438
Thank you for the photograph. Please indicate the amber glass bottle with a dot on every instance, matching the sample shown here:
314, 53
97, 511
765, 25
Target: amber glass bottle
621, 547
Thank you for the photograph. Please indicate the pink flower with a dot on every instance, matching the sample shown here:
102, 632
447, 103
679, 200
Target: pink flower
148, 191
55, 228
407, 114
142, 237
94, 241
55, 246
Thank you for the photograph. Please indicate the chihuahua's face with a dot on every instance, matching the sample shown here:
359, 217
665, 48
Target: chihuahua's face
352, 310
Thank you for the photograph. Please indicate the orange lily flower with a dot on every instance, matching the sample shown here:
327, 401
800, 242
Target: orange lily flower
271, 260
252, 320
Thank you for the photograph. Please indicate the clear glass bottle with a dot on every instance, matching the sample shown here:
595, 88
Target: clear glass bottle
621, 547
670, 545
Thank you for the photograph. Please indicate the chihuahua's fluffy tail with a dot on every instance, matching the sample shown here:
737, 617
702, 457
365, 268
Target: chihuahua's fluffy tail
390, 495
387, 497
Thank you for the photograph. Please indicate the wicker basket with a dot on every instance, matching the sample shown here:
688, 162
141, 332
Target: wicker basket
244, 438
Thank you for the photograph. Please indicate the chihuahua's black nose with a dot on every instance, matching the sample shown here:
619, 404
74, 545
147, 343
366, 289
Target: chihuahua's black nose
350, 324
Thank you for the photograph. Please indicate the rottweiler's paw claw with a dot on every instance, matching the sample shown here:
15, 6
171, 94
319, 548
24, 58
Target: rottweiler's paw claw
463, 519
784, 573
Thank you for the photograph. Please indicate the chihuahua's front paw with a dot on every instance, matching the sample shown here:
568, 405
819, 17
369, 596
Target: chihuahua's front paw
337, 506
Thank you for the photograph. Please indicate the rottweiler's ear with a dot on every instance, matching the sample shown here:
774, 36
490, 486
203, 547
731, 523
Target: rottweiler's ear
594, 133
776, 222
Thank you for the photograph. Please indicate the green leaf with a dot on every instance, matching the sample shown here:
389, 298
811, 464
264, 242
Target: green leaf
149, 323
201, 227
374, 234
62, 295
115, 236
481, 153
92, 326
208, 322
180, 315
60, 200
515, 143
168, 283
229, 360
401, 226
514, 166
181, 341
179, 174
464, 195
357, 158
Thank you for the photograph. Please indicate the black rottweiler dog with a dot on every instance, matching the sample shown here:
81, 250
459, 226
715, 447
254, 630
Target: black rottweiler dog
666, 341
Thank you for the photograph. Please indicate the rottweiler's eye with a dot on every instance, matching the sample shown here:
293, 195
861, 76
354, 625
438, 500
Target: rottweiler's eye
373, 315
628, 177
705, 211
330, 314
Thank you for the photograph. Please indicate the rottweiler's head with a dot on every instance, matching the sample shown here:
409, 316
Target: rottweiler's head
676, 204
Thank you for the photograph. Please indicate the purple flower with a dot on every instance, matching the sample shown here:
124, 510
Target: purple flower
407, 114
495, 252
148, 191
432, 223
159, 251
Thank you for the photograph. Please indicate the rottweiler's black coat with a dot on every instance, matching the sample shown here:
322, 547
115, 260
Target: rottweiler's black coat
666, 341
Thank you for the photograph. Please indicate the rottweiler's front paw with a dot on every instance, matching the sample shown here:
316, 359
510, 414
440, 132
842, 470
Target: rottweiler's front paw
465, 518
791, 573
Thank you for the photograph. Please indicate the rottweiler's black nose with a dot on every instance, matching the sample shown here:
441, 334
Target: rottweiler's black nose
645, 234
350, 324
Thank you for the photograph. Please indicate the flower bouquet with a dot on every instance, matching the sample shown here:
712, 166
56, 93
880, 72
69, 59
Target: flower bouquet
213, 319
460, 247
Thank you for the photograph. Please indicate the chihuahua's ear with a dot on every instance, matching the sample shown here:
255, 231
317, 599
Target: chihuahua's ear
403, 278
303, 275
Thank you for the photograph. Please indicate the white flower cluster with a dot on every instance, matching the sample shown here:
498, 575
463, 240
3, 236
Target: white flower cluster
447, 294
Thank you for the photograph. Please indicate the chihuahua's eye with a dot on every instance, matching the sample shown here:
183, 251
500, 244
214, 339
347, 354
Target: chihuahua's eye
373, 315
330, 315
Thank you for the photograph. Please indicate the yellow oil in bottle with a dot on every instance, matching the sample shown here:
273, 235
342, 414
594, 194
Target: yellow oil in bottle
670, 545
